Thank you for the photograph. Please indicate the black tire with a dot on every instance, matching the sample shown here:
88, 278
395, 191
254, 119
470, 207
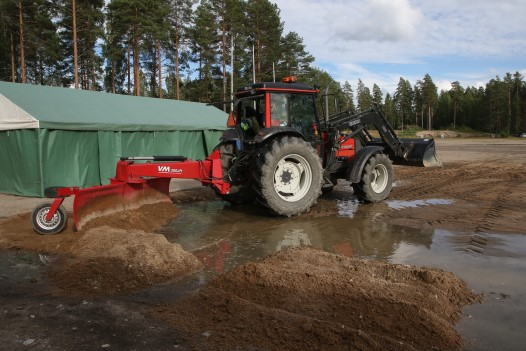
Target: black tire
54, 226
376, 180
288, 176
238, 194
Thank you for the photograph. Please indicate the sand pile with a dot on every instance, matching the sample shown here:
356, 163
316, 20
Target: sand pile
307, 299
105, 260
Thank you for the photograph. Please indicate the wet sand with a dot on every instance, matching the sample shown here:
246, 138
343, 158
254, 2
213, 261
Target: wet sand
483, 184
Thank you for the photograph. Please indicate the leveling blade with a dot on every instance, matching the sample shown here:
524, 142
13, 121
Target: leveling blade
93, 202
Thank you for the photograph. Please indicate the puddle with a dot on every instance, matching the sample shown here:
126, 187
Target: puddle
347, 208
223, 237
398, 204
21, 270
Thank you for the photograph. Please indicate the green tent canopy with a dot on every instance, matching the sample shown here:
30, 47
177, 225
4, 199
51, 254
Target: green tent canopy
64, 137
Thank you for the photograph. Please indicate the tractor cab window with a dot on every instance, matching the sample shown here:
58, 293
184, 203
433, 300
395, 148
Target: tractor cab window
295, 110
279, 109
252, 110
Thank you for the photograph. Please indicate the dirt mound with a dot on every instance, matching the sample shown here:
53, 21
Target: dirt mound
305, 298
106, 260
16, 231
101, 259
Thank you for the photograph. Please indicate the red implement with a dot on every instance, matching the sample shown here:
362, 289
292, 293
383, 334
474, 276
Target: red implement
134, 185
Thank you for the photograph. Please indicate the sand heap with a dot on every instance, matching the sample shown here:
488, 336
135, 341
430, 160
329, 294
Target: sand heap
307, 299
105, 260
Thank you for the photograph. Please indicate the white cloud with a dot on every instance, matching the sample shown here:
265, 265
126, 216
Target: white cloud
376, 20
449, 39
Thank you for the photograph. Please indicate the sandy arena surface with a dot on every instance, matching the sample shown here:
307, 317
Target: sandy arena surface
293, 300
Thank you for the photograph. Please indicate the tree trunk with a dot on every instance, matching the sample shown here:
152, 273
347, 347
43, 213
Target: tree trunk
177, 93
258, 60
22, 57
224, 56
128, 64
113, 76
136, 78
160, 69
455, 115
75, 63
429, 117
12, 58
92, 60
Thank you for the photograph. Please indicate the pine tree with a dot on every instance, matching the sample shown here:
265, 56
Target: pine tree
456, 94
205, 48
40, 54
138, 26
9, 40
89, 18
264, 34
180, 19
294, 59
349, 96
377, 95
364, 97
229, 15
114, 52
403, 100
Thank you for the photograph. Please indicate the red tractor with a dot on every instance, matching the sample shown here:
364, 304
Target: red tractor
277, 151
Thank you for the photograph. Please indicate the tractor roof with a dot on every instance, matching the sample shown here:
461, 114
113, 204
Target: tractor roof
276, 86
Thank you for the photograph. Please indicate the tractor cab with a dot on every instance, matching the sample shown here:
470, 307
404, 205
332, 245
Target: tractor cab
264, 109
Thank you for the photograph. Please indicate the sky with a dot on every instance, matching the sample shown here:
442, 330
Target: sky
379, 41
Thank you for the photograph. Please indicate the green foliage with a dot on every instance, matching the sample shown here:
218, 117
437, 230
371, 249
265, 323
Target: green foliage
409, 131
182, 49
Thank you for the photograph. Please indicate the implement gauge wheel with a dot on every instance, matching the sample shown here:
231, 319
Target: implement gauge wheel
54, 226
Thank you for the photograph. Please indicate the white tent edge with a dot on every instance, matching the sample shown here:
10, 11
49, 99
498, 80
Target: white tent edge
13, 117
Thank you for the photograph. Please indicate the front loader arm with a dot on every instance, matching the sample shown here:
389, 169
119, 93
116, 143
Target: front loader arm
357, 123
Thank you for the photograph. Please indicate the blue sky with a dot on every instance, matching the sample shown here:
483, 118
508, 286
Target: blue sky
379, 41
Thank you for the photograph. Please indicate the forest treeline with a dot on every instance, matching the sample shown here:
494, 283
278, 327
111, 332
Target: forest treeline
189, 50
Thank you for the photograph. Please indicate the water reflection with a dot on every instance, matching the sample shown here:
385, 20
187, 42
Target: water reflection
223, 237
400, 204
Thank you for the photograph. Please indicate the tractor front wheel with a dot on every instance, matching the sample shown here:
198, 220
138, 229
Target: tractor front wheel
55, 225
376, 180
288, 177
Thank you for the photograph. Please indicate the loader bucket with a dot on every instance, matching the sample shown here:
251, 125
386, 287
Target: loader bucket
93, 202
420, 152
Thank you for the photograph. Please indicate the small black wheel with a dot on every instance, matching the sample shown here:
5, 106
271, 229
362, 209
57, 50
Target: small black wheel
54, 226
376, 181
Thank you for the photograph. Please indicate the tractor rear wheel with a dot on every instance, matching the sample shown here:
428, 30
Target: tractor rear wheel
288, 176
376, 180
238, 194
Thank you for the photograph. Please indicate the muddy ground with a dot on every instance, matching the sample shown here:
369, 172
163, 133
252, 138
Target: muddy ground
77, 290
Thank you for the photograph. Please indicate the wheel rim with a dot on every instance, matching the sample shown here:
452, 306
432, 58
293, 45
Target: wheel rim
379, 178
292, 178
47, 225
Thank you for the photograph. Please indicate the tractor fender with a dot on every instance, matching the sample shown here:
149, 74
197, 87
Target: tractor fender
269, 133
361, 158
